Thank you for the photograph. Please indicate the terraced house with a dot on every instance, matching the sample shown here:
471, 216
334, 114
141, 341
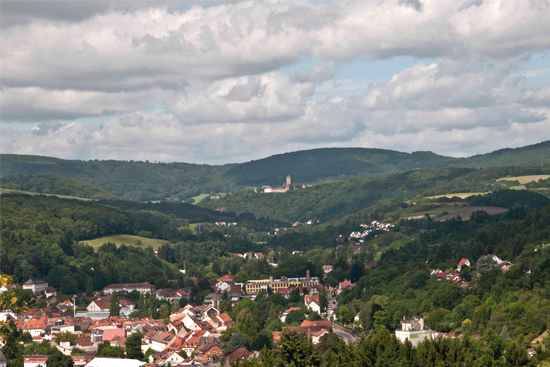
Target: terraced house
254, 286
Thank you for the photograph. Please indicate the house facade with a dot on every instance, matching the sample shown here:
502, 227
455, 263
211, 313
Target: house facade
36, 285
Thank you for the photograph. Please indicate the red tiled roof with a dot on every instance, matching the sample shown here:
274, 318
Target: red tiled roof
314, 298
225, 317
321, 323
104, 305
110, 334
240, 353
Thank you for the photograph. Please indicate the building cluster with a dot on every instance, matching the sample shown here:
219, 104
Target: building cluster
449, 275
228, 224
311, 283
193, 329
190, 336
274, 231
368, 229
252, 255
503, 265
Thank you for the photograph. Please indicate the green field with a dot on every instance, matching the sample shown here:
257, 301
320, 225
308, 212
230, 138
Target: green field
524, 179
126, 239
193, 226
462, 195
9, 191
199, 198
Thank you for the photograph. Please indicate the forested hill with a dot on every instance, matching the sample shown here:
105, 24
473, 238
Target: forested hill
141, 181
337, 199
528, 155
146, 181
331, 164
54, 185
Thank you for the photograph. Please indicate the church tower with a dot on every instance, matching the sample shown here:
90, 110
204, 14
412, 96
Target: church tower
288, 181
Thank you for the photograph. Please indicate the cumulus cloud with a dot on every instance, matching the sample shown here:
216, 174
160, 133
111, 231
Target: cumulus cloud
152, 46
216, 73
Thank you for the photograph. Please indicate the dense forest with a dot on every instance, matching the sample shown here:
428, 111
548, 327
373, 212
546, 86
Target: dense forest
147, 181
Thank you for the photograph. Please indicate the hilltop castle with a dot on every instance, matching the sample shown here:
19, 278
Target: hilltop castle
285, 188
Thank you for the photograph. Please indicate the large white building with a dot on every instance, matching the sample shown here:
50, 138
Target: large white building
414, 330
36, 285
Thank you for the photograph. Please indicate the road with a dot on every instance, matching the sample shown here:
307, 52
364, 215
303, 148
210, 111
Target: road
347, 336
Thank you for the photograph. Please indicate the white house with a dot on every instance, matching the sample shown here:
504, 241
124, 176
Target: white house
223, 286
98, 306
36, 285
33, 327
312, 303
414, 330
463, 262
190, 323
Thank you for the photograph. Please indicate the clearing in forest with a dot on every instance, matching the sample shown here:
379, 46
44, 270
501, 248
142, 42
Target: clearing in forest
126, 239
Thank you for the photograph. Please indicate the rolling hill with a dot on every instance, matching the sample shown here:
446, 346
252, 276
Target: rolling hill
146, 181
54, 185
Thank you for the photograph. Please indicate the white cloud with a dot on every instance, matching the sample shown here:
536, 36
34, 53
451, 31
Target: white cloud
216, 70
155, 47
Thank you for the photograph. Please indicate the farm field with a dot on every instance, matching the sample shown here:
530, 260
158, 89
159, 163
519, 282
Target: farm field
462, 195
9, 191
466, 211
126, 239
524, 179
434, 213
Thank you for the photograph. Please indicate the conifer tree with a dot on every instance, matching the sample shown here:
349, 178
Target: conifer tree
114, 309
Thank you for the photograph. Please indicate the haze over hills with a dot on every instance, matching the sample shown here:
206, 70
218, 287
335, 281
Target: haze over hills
178, 181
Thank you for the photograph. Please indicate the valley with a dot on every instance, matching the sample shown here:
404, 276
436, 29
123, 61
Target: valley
461, 249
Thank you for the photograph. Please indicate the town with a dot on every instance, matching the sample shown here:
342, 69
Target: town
87, 326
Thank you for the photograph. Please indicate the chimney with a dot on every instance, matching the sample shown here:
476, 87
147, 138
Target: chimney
307, 275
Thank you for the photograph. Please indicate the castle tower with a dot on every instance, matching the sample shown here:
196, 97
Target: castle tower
288, 181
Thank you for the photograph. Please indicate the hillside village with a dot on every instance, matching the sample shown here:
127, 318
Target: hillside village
191, 334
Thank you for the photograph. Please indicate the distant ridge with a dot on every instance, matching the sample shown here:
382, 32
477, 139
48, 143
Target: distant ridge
146, 181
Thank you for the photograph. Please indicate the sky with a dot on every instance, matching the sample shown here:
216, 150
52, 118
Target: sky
232, 81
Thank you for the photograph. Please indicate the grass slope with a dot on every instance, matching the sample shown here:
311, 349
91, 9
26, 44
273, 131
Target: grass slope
125, 239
